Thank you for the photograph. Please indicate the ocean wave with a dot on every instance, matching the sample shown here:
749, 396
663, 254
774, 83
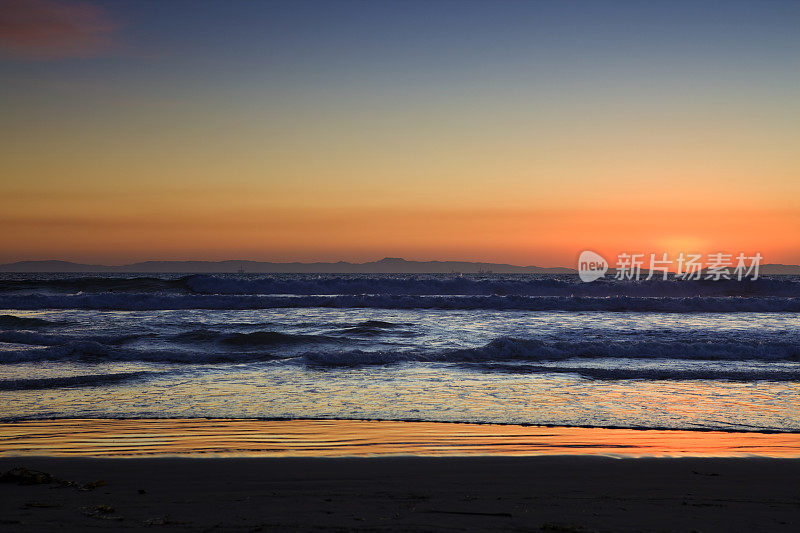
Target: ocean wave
271, 338
513, 349
495, 285
144, 302
87, 380
358, 358
94, 284
412, 285
254, 338
509, 348
42, 339
23, 322
94, 352
272, 346
376, 327
649, 374
377, 324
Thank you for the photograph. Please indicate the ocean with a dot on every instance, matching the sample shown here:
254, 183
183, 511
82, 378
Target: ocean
506, 349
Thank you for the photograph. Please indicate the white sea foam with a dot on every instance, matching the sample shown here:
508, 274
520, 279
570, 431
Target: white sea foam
434, 347
133, 302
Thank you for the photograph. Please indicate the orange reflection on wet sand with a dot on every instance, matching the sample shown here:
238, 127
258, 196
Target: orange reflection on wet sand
338, 438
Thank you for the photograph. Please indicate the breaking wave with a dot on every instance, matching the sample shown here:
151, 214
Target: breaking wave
419, 284
93, 284
144, 302
502, 285
254, 338
502, 349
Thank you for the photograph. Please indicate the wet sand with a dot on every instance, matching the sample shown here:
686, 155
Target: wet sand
255, 475
341, 438
546, 493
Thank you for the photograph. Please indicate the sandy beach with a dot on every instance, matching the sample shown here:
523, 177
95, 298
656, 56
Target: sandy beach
549, 493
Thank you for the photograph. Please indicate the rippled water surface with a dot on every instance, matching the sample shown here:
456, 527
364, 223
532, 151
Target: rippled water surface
509, 349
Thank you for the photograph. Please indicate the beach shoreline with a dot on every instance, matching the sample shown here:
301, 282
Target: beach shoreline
290, 475
210, 437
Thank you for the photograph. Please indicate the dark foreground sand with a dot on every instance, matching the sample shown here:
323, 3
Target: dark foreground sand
549, 493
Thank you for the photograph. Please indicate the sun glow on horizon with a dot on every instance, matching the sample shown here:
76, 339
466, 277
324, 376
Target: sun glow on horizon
427, 131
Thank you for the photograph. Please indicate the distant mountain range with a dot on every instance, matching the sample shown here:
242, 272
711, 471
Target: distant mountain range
387, 265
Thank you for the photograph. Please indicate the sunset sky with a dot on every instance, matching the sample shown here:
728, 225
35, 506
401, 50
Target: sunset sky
520, 132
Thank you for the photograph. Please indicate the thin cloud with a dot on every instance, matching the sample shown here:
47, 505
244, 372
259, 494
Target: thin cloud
51, 29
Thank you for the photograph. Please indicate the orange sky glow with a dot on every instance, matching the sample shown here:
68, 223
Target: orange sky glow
148, 141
